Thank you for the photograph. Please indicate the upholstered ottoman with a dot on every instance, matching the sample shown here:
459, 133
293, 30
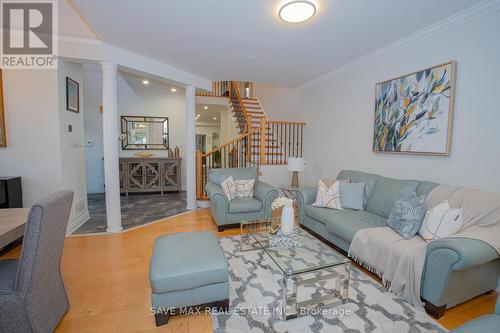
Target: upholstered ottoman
188, 272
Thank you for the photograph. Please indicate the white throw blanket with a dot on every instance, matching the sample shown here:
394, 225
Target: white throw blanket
399, 262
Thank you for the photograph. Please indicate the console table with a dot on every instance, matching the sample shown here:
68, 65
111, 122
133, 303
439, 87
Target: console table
151, 174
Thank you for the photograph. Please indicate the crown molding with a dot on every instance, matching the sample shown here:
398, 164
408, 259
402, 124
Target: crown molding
469, 14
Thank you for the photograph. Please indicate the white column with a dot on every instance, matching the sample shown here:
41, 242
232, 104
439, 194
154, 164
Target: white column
190, 150
111, 146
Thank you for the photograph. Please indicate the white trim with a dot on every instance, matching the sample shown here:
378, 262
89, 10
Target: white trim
474, 12
134, 228
79, 40
77, 222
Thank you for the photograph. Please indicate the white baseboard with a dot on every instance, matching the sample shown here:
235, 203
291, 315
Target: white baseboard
77, 222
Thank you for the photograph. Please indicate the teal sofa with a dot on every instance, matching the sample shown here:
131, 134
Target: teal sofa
230, 213
455, 269
489, 323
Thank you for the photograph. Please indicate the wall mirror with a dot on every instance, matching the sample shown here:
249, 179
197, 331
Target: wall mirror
141, 133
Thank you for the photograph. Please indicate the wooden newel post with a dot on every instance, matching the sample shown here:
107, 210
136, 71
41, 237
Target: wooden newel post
199, 176
262, 141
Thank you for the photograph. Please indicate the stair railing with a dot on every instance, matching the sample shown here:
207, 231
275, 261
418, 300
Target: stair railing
239, 107
284, 139
233, 154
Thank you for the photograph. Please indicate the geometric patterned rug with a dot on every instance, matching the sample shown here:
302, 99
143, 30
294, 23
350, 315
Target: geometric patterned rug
255, 298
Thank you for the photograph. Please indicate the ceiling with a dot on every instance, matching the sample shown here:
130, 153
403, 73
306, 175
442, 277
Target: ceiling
207, 116
244, 40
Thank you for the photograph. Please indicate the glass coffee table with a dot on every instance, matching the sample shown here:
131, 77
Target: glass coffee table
315, 278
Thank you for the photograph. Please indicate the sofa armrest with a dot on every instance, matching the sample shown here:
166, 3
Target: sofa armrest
306, 195
444, 256
265, 193
219, 204
470, 252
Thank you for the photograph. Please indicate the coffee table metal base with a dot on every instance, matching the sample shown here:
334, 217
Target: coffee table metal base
333, 283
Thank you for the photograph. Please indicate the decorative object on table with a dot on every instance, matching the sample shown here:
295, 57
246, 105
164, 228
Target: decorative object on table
414, 112
170, 153
176, 151
72, 95
328, 194
3, 136
441, 221
287, 214
144, 154
407, 215
352, 195
296, 165
284, 240
274, 229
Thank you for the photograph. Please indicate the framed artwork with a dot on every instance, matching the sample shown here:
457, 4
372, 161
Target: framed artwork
414, 112
72, 95
3, 136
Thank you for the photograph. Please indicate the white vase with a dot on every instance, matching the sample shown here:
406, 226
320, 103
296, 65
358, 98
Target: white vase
287, 220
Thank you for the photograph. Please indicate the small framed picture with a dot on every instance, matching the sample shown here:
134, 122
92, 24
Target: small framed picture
72, 95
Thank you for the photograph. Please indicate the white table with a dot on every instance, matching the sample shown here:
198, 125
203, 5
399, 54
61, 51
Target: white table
12, 223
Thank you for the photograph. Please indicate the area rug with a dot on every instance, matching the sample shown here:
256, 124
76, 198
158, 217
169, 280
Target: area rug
255, 298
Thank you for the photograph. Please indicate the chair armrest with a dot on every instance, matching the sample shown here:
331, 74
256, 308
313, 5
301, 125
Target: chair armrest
213, 190
470, 252
265, 193
305, 195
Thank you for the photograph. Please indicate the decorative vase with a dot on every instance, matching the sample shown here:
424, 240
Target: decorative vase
287, 220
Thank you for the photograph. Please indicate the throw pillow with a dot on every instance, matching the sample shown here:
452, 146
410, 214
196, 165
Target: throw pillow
441, 221
229, 188
328, 196
407, 215
352, 195
244, 188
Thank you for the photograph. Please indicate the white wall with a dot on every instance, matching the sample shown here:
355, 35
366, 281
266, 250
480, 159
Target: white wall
339, 112
94, 163
71, 144
39, 145
280, 102
32, 127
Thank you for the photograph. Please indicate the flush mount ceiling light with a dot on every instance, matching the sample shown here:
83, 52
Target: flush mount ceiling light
145, 82
173, 90
297, 11
214, 118
205, 107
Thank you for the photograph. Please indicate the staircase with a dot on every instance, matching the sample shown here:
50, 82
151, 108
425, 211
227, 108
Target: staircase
261, 141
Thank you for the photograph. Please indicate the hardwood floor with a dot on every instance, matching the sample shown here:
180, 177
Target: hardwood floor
106, 277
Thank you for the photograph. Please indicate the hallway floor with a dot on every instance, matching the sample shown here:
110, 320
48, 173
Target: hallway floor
137, 209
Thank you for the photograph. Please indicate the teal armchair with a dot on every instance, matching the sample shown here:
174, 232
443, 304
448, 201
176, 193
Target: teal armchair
230, 213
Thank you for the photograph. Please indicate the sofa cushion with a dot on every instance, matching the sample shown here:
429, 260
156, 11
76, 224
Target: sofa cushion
425, 187
244, 205
360, 177
345, 226
217, 176
386, 192
323, 214
186, 260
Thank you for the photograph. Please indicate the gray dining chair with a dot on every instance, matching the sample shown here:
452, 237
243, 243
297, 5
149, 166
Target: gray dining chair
32, 293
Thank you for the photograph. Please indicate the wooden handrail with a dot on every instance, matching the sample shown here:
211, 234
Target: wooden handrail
248, 120
286, 122
238, 138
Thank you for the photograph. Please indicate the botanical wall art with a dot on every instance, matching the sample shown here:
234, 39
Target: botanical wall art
414, 113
